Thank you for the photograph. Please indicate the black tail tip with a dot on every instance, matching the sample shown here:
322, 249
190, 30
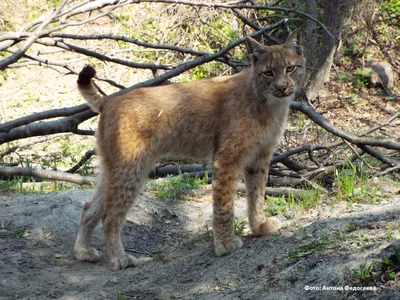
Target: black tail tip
86, 75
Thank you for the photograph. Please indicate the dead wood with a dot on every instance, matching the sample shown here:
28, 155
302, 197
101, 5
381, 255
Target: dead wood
46, 174
314, 164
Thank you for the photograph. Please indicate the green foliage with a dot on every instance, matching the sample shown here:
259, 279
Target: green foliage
344, 76
28, 185
352, 98
122, 296
238, 226
346, 182
300, 120
363, 272
275, 205
87, 168
362, 239
305, 200
391, 266
15, 232
175, 186
361, 78
353, 187
307, 249
389, 234
206, 71
352, 48
389, 269
207, 261
391, 8
159, 257
352, 227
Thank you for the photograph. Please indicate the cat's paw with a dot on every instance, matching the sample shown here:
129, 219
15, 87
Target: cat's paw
123, 262
228, 246
90, 255
270, 225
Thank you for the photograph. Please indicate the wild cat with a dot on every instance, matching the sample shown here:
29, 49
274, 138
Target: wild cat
236, 121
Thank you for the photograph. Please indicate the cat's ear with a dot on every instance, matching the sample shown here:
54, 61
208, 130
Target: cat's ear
254, 49
293, 42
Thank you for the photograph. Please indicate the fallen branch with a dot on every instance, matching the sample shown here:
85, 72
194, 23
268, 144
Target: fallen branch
46, 174
49, 114
67, 124
52, 15
327, 125
275, 192
388, 170
82, 161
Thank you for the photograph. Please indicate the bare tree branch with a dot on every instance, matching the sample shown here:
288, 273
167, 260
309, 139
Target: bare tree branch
46, 174
67, 124
82, 161
103, 57
324, 123
49, 114
238, 6
33, 37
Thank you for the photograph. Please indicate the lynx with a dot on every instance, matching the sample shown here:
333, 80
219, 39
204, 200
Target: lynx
235, 121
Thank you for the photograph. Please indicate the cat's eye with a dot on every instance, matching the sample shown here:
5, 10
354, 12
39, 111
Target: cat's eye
268, 73
291, 69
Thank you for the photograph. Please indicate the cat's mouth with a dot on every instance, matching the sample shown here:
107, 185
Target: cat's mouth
283, 94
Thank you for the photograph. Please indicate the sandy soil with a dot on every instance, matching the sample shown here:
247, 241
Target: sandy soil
316, 249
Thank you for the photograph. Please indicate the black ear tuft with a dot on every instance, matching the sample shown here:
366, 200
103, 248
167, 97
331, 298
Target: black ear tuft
254, 49
86, 75
293, 42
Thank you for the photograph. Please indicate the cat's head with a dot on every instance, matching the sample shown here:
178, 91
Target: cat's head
278, 70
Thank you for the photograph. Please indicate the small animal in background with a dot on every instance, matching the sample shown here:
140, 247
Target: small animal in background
235, 121
382, 75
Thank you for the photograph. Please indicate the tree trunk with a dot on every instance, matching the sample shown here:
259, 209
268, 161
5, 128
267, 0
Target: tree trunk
332, 20
311, 33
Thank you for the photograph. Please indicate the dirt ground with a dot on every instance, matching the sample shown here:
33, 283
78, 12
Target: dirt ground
314, 252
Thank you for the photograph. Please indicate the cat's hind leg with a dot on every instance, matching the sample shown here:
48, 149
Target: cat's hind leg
123, 190
91, 215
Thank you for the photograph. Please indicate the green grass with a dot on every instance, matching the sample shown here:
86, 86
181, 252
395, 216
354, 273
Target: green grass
353, 187
352, 227
302, 202
389, 234
239, 226
27, 185
207, 261
15, 232
389, 269
122, 296
275, 205
364, 271
176, 186
315, 246
160, 257
306, 200
362, 239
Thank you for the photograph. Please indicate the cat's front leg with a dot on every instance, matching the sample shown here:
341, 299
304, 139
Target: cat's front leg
256, 179
224, 190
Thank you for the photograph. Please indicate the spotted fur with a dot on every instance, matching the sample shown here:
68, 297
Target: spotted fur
235, 121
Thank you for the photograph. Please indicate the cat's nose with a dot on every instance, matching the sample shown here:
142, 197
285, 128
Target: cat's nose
281, 87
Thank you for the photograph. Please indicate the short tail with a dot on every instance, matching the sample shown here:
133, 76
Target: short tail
88, 89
